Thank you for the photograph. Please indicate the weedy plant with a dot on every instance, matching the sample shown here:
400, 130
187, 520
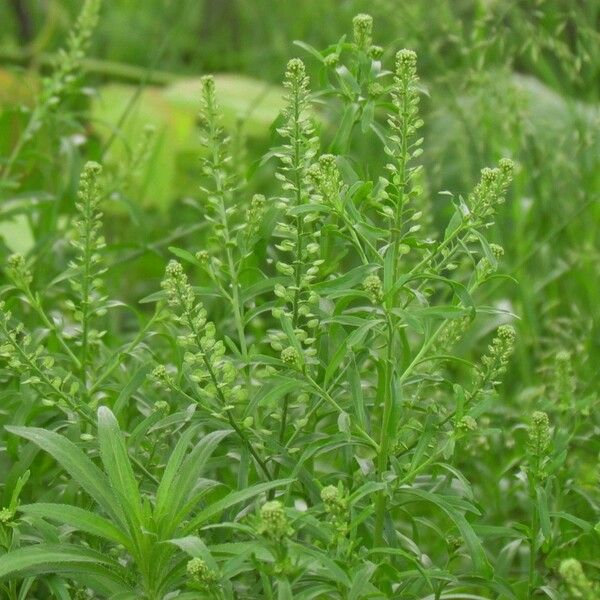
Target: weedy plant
295, 418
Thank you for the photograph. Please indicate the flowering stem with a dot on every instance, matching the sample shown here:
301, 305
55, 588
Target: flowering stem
223, 400
533, 530
116, 360
384, 440
37, 306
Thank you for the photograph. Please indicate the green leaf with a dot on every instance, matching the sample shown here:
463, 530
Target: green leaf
345, 282
196, 548
542, 504
473, 543
284, 589
181, 474
78, 518
360, 581
584, 525
323, 565
45, 558
366, 490
76, 464
356, 391
132, 385
185, 255
342, 137
310, 49
232, 499
115, 458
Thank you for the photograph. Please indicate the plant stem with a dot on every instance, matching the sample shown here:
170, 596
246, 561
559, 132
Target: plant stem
37, 306
384, 440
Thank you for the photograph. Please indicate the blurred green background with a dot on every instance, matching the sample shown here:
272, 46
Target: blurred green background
503, 78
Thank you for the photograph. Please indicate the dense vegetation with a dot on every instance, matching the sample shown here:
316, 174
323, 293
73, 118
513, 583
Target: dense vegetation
322, 325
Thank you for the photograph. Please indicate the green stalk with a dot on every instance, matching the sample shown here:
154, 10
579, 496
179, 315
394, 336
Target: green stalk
223, 400
533, 531
384, 441
297, 265
37, 306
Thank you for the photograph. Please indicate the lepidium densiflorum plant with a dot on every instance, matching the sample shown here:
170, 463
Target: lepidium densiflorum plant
221, 190
366, 316
310, 410
63, 378
87, 266
55, 87
297, 228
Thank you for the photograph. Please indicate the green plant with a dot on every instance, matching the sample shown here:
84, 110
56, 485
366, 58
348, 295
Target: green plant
59, 84
297, 417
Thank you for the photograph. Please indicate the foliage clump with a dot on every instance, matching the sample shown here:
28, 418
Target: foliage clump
318, 324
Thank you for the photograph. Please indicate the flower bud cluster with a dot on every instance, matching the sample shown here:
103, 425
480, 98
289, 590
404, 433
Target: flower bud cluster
219, 179
402, 145
299, 238
467, 424
374, 288
539, 434
255, 213
487, 266
564, 380
362, 28
495, 363
290, 356
69, 59
18, 271
335, 501
490, 192
452, 333
6, 515
161, 377
29, 361
200, 574
273, 522
88, 243
578, 586
204, 354
326, 179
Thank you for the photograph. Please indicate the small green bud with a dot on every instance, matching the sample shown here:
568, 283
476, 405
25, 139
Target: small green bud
208, 84
374, 288
334, 500
507, 167
331, 60
6, 515
375, 89
375, 52
18, 271
295, 70
539, 434
467, 424
406, 64
273, 521
199, 572
577, 584
290, 356
284, 268
362, 26
161, 406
